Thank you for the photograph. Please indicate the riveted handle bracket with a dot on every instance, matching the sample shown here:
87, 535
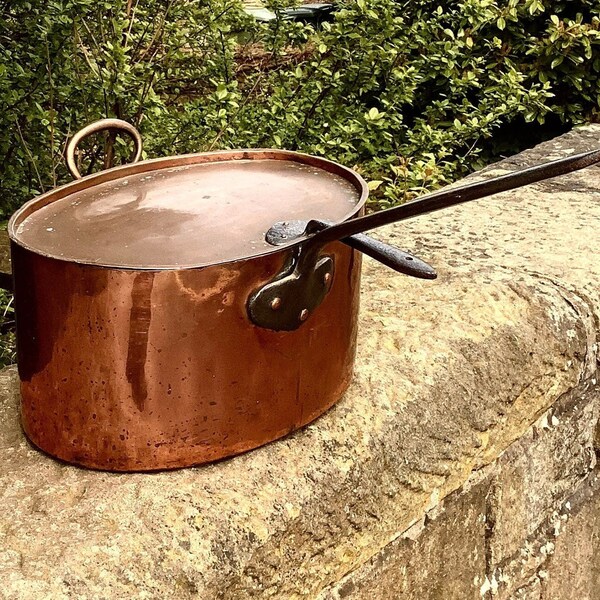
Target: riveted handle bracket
285, 302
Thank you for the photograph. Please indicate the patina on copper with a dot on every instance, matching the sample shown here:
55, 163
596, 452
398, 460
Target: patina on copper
140, 370
135, 349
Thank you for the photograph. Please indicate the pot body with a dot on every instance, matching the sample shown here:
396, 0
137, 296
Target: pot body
135, 370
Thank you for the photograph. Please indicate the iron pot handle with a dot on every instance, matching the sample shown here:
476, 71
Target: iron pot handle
319, 233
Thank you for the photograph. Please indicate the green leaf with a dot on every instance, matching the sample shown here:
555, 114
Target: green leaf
373, 114
221, 92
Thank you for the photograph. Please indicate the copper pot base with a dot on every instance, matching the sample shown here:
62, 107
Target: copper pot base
161, 460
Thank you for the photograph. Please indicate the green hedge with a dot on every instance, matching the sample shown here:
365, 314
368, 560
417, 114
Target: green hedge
409, 92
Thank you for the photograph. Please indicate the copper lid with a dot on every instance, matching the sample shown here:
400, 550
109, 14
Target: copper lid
185, 211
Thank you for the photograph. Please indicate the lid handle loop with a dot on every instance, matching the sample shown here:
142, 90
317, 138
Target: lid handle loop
95, 127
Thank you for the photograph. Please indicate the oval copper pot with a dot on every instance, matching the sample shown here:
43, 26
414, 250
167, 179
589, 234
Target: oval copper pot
138, 369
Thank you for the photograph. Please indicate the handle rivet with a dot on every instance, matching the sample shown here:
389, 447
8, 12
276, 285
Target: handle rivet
327, 278
276, 303
304, 314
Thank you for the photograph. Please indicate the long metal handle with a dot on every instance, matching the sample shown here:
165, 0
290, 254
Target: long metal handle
392, 257
318, 234
95, 128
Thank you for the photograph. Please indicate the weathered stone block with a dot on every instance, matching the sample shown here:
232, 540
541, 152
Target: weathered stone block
451, 377
496, 536
442, 557
540, 471
573, 569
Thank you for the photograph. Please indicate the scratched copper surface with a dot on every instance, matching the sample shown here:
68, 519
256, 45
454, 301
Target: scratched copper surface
142, 370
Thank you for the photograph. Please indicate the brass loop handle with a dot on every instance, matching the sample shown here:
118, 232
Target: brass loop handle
95, 127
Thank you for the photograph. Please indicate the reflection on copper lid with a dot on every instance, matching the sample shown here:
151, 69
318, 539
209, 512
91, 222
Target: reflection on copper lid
186, 216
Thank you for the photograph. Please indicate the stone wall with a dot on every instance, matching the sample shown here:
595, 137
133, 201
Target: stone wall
524, 527
460, 464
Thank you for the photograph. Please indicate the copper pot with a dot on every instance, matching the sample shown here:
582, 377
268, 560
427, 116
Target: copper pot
165, 320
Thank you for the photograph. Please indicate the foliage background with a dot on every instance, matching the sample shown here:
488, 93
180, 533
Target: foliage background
412, 93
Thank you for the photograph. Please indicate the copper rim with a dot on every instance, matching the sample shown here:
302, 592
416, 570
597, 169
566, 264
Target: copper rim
116, 173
